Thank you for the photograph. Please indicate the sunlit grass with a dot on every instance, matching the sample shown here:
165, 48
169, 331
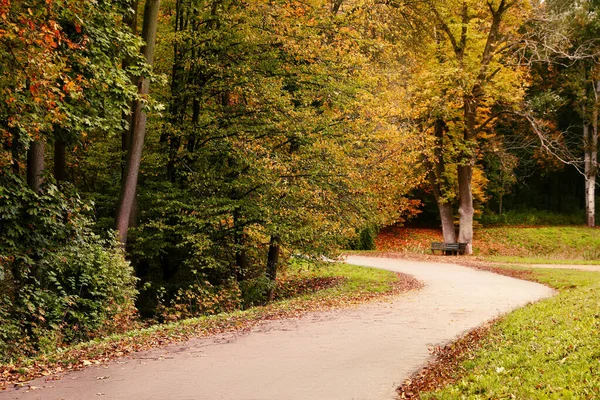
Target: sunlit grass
552, 243
540, 260
548, 350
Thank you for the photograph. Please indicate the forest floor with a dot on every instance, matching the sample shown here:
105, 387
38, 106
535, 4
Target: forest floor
363, 352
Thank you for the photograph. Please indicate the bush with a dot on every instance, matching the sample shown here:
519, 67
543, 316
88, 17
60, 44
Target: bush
255, 291
61, 282
199, 299
365, 239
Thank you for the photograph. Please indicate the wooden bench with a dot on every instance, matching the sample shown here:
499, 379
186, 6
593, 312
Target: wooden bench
449, 248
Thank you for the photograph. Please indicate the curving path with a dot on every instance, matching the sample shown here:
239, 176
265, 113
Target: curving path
358, 353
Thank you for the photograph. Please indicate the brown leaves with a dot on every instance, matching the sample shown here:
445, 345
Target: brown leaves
445, 368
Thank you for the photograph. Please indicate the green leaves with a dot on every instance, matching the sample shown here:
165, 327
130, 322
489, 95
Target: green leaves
60, 283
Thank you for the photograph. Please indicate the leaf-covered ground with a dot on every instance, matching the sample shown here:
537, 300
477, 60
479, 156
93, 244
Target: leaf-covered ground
326, 287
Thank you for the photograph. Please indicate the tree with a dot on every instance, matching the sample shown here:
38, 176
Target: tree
138, 121
561, 44
460, 85
60, 80
274, 141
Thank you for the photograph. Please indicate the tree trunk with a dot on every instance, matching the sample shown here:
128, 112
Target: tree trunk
590, 146
272, 261
437, 181
134, 152
465, 207
35, 164
445, 209
465, 174
273, 258
131, 21
60, 162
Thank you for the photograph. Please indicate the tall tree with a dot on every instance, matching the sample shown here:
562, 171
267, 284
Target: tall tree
561, 45
138, 122
459, 87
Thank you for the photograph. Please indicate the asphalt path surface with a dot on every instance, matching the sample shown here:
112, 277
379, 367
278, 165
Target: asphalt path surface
363, 352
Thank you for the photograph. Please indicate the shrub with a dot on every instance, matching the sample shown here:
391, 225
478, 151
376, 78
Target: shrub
365, 239
255, 291
61, 283
200, 299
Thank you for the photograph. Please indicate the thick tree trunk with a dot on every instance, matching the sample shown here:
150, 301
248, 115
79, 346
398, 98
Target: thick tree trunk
445, 209
437, 181
447, 219
134, 152
60, 160
465, 174
465, 207
35, 164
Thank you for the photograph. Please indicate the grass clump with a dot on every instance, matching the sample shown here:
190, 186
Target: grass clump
548, 350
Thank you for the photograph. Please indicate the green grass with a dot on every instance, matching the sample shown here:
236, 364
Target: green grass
358, 284
548, 350
555, 242
540, 260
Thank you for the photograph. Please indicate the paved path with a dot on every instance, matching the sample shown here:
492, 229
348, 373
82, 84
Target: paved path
357, 353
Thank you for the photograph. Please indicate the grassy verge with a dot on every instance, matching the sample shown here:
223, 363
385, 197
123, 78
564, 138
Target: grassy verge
548, 350
539, 260
532, 245
354, 285
550, 242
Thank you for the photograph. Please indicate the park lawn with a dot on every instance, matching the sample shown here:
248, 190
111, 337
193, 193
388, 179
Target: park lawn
511, 244
551, 242
353, 285
539, 260
547, 350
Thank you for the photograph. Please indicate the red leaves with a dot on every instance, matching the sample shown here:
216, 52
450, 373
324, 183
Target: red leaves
396, 238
